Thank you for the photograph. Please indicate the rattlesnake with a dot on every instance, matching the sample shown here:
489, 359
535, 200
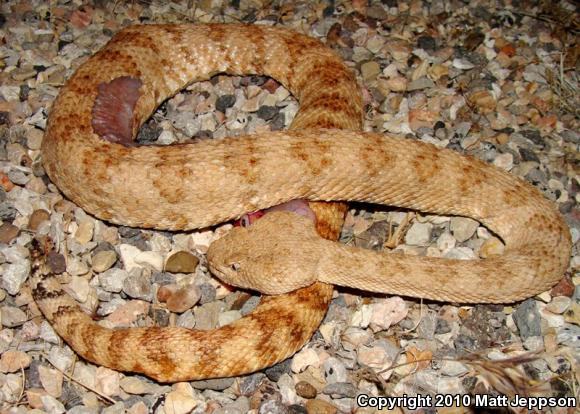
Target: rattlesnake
197, 185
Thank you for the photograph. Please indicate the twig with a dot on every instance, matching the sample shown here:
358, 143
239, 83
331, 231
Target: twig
73, 379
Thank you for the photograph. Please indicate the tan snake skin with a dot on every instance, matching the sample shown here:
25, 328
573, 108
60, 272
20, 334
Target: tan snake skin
191, 186
198, 185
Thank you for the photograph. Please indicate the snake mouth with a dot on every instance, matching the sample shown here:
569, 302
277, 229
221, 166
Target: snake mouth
298, 206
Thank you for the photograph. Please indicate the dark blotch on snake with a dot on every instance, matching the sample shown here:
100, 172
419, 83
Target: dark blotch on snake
113, 109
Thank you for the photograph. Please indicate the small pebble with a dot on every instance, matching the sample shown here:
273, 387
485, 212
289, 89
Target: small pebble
334, 370
61, 358
565, 287
353, 337
181, 299
216, 384
112, 279
84, 232
181, 262
34, 138
14, 361
33, 396
79, 288
374, 357
305, 390
419, 234
103, 260
138, 285
446, 242
370, 71
527, 319
14, 275
275, 372
12, 316
387, 313
421, 83
135, 385
206, 315
320, 407
340, 390
107, 381
303, 359
8, 232
225, 318
52, 405
224, 102
267, 112
181, 400
51, 379
491, 247
133, 257
76, 267
128, 313
559, 304
208, 293
463, 228
504, 161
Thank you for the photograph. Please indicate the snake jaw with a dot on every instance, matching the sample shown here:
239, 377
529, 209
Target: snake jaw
234, 262
262, 257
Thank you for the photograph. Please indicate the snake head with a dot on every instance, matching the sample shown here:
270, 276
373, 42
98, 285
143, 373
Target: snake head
274, 255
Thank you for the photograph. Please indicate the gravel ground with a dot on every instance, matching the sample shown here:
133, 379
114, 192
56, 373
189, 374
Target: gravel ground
496, 80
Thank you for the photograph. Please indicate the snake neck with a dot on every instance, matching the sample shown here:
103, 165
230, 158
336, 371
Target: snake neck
501, 279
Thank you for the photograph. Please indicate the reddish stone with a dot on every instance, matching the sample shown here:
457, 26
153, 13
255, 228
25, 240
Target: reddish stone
508, 50
565, 287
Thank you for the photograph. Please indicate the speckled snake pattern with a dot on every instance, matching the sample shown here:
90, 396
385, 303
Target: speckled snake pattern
322, 157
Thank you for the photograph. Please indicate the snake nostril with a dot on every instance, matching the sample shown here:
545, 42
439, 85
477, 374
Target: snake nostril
235, 266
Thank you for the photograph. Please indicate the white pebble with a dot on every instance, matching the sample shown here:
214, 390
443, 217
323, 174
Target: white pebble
133, 258
303, 359
445, 242
11, 316
51, 405
14, 275
76, 267
463, 228
387, 313
334, 371
374, 357
112, 279
419, 234
504, 161
460, 253
181, 400
361, 317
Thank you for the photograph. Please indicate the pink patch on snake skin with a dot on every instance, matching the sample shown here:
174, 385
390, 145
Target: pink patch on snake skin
113, 109
296, 206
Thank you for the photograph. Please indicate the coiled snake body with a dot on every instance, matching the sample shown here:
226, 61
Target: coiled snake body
197, 185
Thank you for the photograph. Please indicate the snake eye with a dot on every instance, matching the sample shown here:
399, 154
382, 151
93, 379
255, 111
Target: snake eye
235, 266
245, 221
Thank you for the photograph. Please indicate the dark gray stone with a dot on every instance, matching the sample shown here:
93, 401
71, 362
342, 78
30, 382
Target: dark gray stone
274, 373
340, 390
224, 102
527, 319
267, 112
